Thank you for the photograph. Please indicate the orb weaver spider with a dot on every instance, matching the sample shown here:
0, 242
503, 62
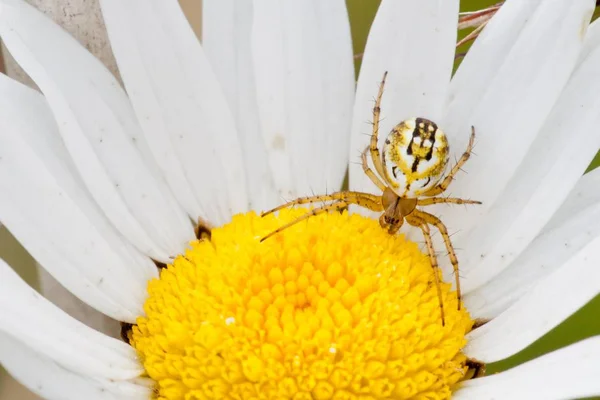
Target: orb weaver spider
409, 173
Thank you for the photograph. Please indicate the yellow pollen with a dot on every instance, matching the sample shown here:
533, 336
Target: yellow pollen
332, 308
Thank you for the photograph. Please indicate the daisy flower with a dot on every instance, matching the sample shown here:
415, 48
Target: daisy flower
102, 185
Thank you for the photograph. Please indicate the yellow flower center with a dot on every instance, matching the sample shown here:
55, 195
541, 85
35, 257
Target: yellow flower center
332, 308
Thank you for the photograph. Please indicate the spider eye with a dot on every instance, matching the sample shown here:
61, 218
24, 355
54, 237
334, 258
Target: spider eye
415, 156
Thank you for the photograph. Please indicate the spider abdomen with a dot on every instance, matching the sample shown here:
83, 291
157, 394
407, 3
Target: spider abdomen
415, 155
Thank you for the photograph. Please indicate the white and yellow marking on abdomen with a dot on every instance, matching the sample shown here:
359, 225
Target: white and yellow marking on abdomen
415, 155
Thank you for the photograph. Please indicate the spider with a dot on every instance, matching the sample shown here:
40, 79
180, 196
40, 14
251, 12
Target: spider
410, 173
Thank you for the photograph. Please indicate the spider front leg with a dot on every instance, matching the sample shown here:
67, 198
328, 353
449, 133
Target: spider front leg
443, 185
366, 200
444, 200
420, 223
338, 206
435, 221
340, 199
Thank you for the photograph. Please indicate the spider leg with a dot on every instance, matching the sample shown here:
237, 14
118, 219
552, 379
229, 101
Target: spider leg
375, 155
367, 200
435, 221
337, 206
443, 185
418, 222
449, 200
340, 200
369, 172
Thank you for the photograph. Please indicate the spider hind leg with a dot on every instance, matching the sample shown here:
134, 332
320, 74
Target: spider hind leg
373, 143
369, 172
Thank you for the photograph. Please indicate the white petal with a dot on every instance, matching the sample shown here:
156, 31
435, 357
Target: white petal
543, 307
51, 289
267, 38
585, 194
180, 105
337, 89
515, 101
592, 40
226, 31
99, 130
30, 318
304, 79
558, 156
559, 241
48, 210
480, 65
568, 373
52, 381
414, 41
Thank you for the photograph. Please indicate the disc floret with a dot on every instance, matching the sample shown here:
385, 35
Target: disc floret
334, 308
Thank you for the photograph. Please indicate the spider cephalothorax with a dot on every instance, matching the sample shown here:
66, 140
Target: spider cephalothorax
409, 173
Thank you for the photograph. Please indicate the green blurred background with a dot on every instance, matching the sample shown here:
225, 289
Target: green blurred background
582, 324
